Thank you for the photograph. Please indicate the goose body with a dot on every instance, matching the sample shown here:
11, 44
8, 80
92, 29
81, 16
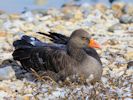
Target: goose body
74, 56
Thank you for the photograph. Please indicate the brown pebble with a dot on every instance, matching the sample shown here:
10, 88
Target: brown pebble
26, 97
129, 64
3, 34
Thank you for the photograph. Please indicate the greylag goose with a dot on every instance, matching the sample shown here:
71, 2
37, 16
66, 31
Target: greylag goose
75, 57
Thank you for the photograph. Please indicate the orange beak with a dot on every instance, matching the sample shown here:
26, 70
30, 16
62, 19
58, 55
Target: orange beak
94, 44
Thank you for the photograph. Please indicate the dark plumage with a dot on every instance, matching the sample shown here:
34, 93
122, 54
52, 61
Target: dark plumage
62, 40
70, 57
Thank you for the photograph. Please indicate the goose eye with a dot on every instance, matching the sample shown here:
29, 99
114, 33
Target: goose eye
83, 38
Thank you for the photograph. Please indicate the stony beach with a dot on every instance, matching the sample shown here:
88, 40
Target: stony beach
111, 27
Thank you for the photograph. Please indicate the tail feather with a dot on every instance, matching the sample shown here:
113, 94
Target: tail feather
59, 36
56, 37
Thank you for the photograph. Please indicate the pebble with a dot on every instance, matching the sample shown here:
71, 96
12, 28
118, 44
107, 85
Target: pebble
126, 19
117, 6
115, 27
129, 55
130, 28
26, 98
128, 9
3, 95
104, 80
14, 16
7, 73
3, 34
27, 16
68, 16
4, 56
28, 27
101, 7
130, 65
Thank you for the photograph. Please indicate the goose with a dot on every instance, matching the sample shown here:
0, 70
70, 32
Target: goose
76, 56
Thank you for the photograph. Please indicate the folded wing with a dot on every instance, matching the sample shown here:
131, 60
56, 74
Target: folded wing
32, 53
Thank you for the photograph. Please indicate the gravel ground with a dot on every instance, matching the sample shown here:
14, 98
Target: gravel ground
111, 27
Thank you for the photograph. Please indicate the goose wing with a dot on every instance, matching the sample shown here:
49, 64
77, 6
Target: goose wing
40, 56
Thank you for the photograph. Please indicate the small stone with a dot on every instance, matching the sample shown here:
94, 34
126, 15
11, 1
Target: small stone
7, 25
129, 55
18, 97
129, 72
128, 9
28, 27
29, 76
130, 28
116, 73
67, 13
3, 34
115, 27
78, 15
126, 19
5, 56
118, 6
7, 73
68, 16
105, 61
27, 16
104, 80
130, 65
101, 7
26, 97
111, 42
54, 12
3, 94
14, 16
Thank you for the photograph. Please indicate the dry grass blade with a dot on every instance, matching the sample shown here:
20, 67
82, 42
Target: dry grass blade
42, 77
37, 75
